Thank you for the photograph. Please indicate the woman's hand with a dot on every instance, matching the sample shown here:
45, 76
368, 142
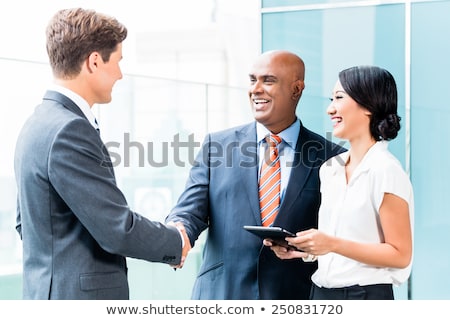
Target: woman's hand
309, 243
312, 241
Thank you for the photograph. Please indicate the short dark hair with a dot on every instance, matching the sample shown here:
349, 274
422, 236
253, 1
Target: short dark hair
73, 34
374, 89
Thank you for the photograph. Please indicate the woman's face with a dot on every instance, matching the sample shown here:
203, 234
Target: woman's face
349, 119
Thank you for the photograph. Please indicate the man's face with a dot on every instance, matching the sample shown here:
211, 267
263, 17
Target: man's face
271, 92
106, 76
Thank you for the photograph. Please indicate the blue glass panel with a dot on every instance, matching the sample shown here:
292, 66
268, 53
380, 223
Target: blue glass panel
430, 118
333, 39
278, 3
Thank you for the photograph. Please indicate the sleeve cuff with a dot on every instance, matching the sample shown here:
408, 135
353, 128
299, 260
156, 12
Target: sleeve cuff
310, 258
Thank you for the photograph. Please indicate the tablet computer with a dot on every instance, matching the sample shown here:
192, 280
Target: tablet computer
276, 234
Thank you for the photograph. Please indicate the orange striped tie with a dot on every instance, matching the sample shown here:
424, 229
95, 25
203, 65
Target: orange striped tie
269, 182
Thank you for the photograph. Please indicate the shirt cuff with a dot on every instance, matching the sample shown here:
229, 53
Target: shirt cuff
182, 238
310, 258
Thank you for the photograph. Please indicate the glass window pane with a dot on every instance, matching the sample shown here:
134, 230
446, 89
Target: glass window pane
430, 118
333, 39
26, 84
284, 3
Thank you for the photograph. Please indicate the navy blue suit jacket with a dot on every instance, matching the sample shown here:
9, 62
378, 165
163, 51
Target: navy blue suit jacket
221, 196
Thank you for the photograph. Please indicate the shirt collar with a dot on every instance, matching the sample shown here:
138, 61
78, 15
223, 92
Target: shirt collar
289, 135
79, 101
368, 161
371, 156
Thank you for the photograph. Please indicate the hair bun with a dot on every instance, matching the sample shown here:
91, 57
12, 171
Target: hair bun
389, 126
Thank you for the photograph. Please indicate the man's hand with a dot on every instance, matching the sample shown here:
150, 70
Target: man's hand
187, 243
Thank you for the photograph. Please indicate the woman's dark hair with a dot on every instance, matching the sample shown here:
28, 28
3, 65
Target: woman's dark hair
374, 89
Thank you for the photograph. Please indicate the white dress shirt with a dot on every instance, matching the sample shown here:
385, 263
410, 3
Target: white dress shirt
351, 211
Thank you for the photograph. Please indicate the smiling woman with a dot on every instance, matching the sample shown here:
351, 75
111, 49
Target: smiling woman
364, 239
357, 119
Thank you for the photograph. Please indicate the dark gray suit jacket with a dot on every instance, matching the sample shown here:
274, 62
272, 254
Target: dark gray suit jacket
75, 223
221, 195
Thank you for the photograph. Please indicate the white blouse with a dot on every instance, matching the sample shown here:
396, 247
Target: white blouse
351, 211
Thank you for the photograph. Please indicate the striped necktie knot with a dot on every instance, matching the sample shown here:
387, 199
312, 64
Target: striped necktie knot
271, 153
273, 140
269, 182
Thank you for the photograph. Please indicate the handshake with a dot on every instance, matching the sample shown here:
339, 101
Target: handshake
186, 243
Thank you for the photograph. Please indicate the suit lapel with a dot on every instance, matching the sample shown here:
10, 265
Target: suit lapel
71, 106
303, 163
247, 162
